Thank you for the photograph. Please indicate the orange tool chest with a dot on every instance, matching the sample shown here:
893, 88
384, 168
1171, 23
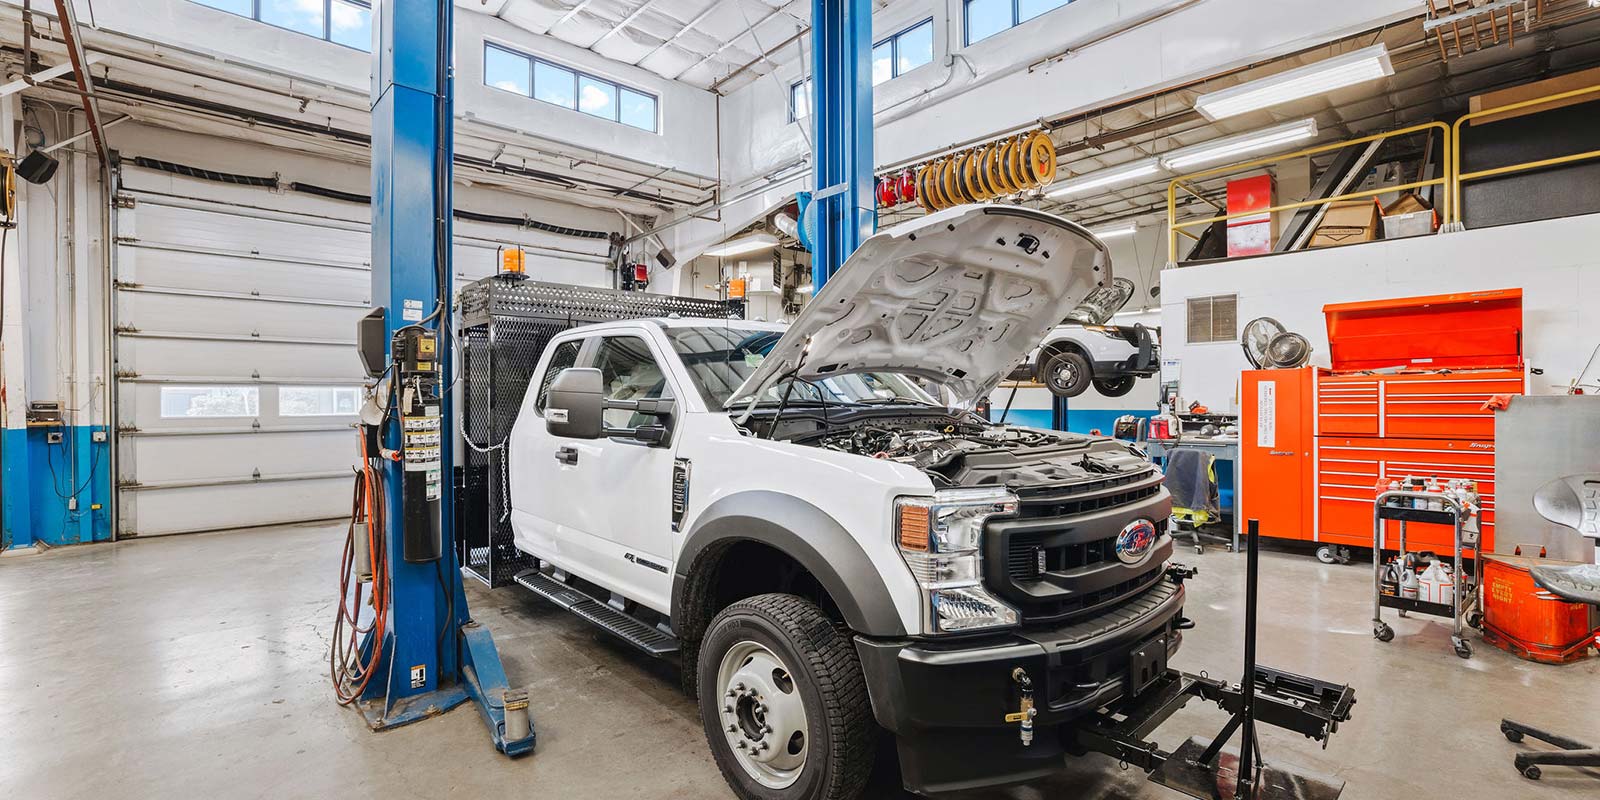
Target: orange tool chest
1405, 396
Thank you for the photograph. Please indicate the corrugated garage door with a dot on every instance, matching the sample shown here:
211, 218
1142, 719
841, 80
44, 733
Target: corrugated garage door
237, 377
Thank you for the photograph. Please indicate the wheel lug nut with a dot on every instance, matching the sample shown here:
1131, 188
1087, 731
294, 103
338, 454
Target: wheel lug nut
727, 709
739, 686
733, 729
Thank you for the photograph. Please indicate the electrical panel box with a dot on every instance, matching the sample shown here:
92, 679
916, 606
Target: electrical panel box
415, 352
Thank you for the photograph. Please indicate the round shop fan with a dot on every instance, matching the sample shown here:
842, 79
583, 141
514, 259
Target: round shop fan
1268, 345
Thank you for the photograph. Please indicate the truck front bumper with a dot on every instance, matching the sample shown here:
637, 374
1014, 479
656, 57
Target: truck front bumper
946, 702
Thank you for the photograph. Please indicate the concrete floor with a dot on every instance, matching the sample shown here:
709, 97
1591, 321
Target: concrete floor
196, 667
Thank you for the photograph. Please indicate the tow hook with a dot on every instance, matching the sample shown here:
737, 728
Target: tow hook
1025, 712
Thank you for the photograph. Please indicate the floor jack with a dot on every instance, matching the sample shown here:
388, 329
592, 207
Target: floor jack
1202, 769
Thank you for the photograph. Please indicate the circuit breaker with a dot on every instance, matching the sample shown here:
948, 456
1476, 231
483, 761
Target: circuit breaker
415, 353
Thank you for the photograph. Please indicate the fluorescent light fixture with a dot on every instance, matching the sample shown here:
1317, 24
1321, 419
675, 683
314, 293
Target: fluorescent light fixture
1356, 66
805, 289
1231, 146
749, 244
1141, 312
1120, 230
1107, 177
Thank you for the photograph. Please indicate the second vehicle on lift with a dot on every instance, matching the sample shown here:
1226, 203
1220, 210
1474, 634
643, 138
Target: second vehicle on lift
1086, 350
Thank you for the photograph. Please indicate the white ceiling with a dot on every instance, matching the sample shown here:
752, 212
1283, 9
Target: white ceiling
698, 42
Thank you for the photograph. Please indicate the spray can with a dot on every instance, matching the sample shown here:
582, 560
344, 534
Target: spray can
1394, 486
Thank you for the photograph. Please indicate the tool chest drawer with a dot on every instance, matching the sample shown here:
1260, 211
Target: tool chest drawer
1348, 406
1449, 405
1349, 468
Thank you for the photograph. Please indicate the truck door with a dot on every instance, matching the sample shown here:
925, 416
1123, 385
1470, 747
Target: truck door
624, 537
538, 483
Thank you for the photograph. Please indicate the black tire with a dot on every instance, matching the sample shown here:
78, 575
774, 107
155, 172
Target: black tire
824, 670
1066, 374
1114, 387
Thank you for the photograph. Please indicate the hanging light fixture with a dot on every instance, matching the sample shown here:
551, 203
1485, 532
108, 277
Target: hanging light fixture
749, 244
1116, 231
1232, 146
1356, 66
1106, 177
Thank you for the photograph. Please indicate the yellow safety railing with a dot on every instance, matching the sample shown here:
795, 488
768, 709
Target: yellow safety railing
1174, 227
1455, 149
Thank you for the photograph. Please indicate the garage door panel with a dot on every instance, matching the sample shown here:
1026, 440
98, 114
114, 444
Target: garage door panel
154, 512
208, 272
204, 358
150, 311
228, 231
160, 459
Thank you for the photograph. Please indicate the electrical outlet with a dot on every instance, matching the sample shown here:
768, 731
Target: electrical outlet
53, 437
98, 437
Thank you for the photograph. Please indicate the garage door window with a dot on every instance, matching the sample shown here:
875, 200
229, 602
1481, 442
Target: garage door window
195, 402
318, 401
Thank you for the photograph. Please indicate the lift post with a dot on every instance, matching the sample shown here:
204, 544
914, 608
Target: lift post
841, 133
435, 656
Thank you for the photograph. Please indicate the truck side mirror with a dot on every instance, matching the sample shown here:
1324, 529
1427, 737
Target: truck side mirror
574, 408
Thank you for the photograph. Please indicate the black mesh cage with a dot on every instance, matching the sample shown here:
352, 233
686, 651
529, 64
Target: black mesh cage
505, 325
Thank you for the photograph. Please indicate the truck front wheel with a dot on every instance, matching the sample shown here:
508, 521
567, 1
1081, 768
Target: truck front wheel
783, 702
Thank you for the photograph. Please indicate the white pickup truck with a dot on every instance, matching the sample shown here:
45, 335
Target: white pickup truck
835, 553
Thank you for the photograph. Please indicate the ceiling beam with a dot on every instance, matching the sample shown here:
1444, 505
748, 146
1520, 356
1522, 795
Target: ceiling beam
687, 26
626, 21
571, 12
748, 31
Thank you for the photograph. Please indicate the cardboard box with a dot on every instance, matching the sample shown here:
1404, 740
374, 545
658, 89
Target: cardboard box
1529, 91
1347, 222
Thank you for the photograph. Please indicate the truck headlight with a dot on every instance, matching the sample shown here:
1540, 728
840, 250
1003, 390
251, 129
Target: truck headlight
941, 540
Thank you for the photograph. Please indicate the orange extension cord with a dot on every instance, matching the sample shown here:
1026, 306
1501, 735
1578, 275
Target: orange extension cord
349, 672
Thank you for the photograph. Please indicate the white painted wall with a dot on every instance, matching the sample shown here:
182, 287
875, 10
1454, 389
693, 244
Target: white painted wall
988, 88
1554, 262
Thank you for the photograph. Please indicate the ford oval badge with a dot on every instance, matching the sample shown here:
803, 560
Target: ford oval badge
1136, 540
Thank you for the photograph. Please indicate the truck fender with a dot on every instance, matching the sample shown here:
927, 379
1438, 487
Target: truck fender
801, 531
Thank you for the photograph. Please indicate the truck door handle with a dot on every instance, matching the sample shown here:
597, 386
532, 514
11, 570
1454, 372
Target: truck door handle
567, 455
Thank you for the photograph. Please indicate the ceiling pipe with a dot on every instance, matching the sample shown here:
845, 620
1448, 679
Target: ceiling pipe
91, 103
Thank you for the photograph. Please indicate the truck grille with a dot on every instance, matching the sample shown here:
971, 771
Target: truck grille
1058, 557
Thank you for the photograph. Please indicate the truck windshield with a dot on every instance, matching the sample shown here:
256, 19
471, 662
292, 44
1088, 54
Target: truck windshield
719, 358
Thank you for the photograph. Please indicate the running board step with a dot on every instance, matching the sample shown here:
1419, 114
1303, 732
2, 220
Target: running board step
650, 639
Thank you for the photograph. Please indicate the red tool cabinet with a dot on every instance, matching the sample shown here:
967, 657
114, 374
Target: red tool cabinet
1405, 396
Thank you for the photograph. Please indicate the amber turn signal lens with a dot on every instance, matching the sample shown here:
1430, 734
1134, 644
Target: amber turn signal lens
913, 527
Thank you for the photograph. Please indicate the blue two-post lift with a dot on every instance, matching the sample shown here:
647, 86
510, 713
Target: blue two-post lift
412, 158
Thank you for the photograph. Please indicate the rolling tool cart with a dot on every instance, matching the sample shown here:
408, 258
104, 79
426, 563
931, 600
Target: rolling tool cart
1398, 505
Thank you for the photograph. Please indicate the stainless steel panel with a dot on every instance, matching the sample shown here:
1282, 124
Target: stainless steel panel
1537, 440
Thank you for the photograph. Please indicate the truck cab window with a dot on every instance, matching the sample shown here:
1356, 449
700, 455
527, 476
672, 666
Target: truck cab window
630, 372
565, 355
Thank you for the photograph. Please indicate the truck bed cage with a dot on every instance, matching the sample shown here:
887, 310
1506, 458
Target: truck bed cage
504, 324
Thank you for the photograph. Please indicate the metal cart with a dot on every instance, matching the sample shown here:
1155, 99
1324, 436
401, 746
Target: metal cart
1465, 597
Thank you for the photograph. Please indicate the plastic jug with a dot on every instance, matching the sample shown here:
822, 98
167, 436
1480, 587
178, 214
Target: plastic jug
1437, 583
1410, 586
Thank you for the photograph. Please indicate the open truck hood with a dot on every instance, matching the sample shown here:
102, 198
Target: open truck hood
957, 297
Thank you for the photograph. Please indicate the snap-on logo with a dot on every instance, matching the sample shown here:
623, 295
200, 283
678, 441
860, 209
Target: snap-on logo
1481, 445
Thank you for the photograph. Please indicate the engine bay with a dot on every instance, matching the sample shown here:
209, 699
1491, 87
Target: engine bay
967, 452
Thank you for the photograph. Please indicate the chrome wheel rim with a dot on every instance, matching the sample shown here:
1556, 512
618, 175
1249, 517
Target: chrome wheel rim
762, 716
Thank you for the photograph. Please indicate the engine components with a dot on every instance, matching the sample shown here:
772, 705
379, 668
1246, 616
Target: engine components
987, 172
